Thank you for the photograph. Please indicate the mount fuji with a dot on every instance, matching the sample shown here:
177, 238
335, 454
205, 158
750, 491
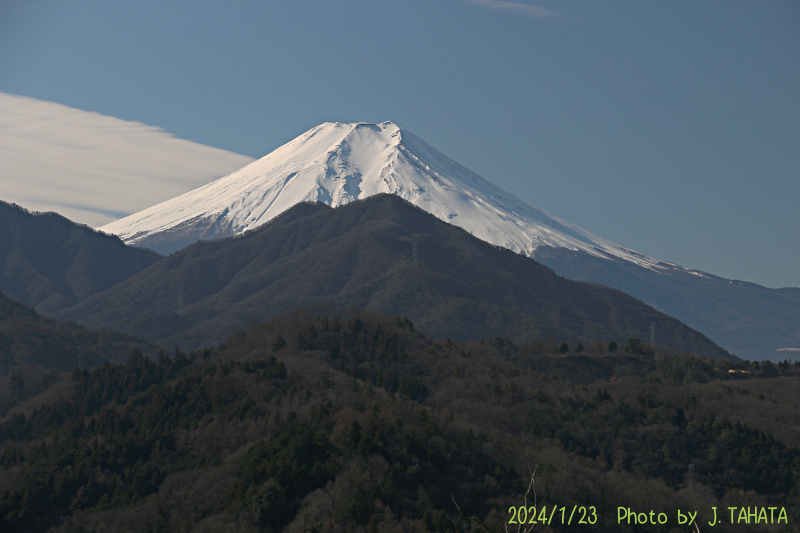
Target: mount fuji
338, 163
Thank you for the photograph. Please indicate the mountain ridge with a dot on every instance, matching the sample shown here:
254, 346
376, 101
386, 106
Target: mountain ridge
748, 319
29, 339
49, 262
336, 163
381, 253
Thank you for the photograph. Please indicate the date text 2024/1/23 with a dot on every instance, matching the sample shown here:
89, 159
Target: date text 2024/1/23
564, 515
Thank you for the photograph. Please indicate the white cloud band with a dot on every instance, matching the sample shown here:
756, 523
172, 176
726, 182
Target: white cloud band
93, 168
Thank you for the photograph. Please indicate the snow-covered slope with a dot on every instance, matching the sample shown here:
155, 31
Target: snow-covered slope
337, 163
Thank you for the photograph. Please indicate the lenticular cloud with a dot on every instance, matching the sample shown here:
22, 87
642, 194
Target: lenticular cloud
93, 168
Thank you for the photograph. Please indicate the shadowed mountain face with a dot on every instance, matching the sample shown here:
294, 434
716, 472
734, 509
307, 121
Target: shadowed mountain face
336, 163
747, 319
49, 262
381, 254
26, 338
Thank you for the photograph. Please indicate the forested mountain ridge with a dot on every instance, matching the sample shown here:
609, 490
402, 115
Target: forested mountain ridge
346, 421
29, 339
49, 262
383, 254
35, 351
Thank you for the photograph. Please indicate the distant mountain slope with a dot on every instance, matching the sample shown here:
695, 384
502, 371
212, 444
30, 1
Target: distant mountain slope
26, 338
382, 254
49, 262
747, 319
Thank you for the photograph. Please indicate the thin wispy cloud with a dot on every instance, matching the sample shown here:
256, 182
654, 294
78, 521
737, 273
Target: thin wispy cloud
514, 7
92, 168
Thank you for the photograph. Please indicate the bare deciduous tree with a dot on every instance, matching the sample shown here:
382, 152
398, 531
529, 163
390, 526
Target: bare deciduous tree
520, 529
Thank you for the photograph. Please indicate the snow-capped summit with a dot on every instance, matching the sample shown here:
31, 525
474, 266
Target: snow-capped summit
337, 163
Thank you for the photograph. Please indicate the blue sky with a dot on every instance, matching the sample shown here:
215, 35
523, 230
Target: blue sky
672, 128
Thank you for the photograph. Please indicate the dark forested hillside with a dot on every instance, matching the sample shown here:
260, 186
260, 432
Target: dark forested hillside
28, 339
381, 254
346, 421
49, 262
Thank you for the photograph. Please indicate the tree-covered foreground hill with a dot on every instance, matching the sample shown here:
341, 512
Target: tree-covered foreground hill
354, 422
